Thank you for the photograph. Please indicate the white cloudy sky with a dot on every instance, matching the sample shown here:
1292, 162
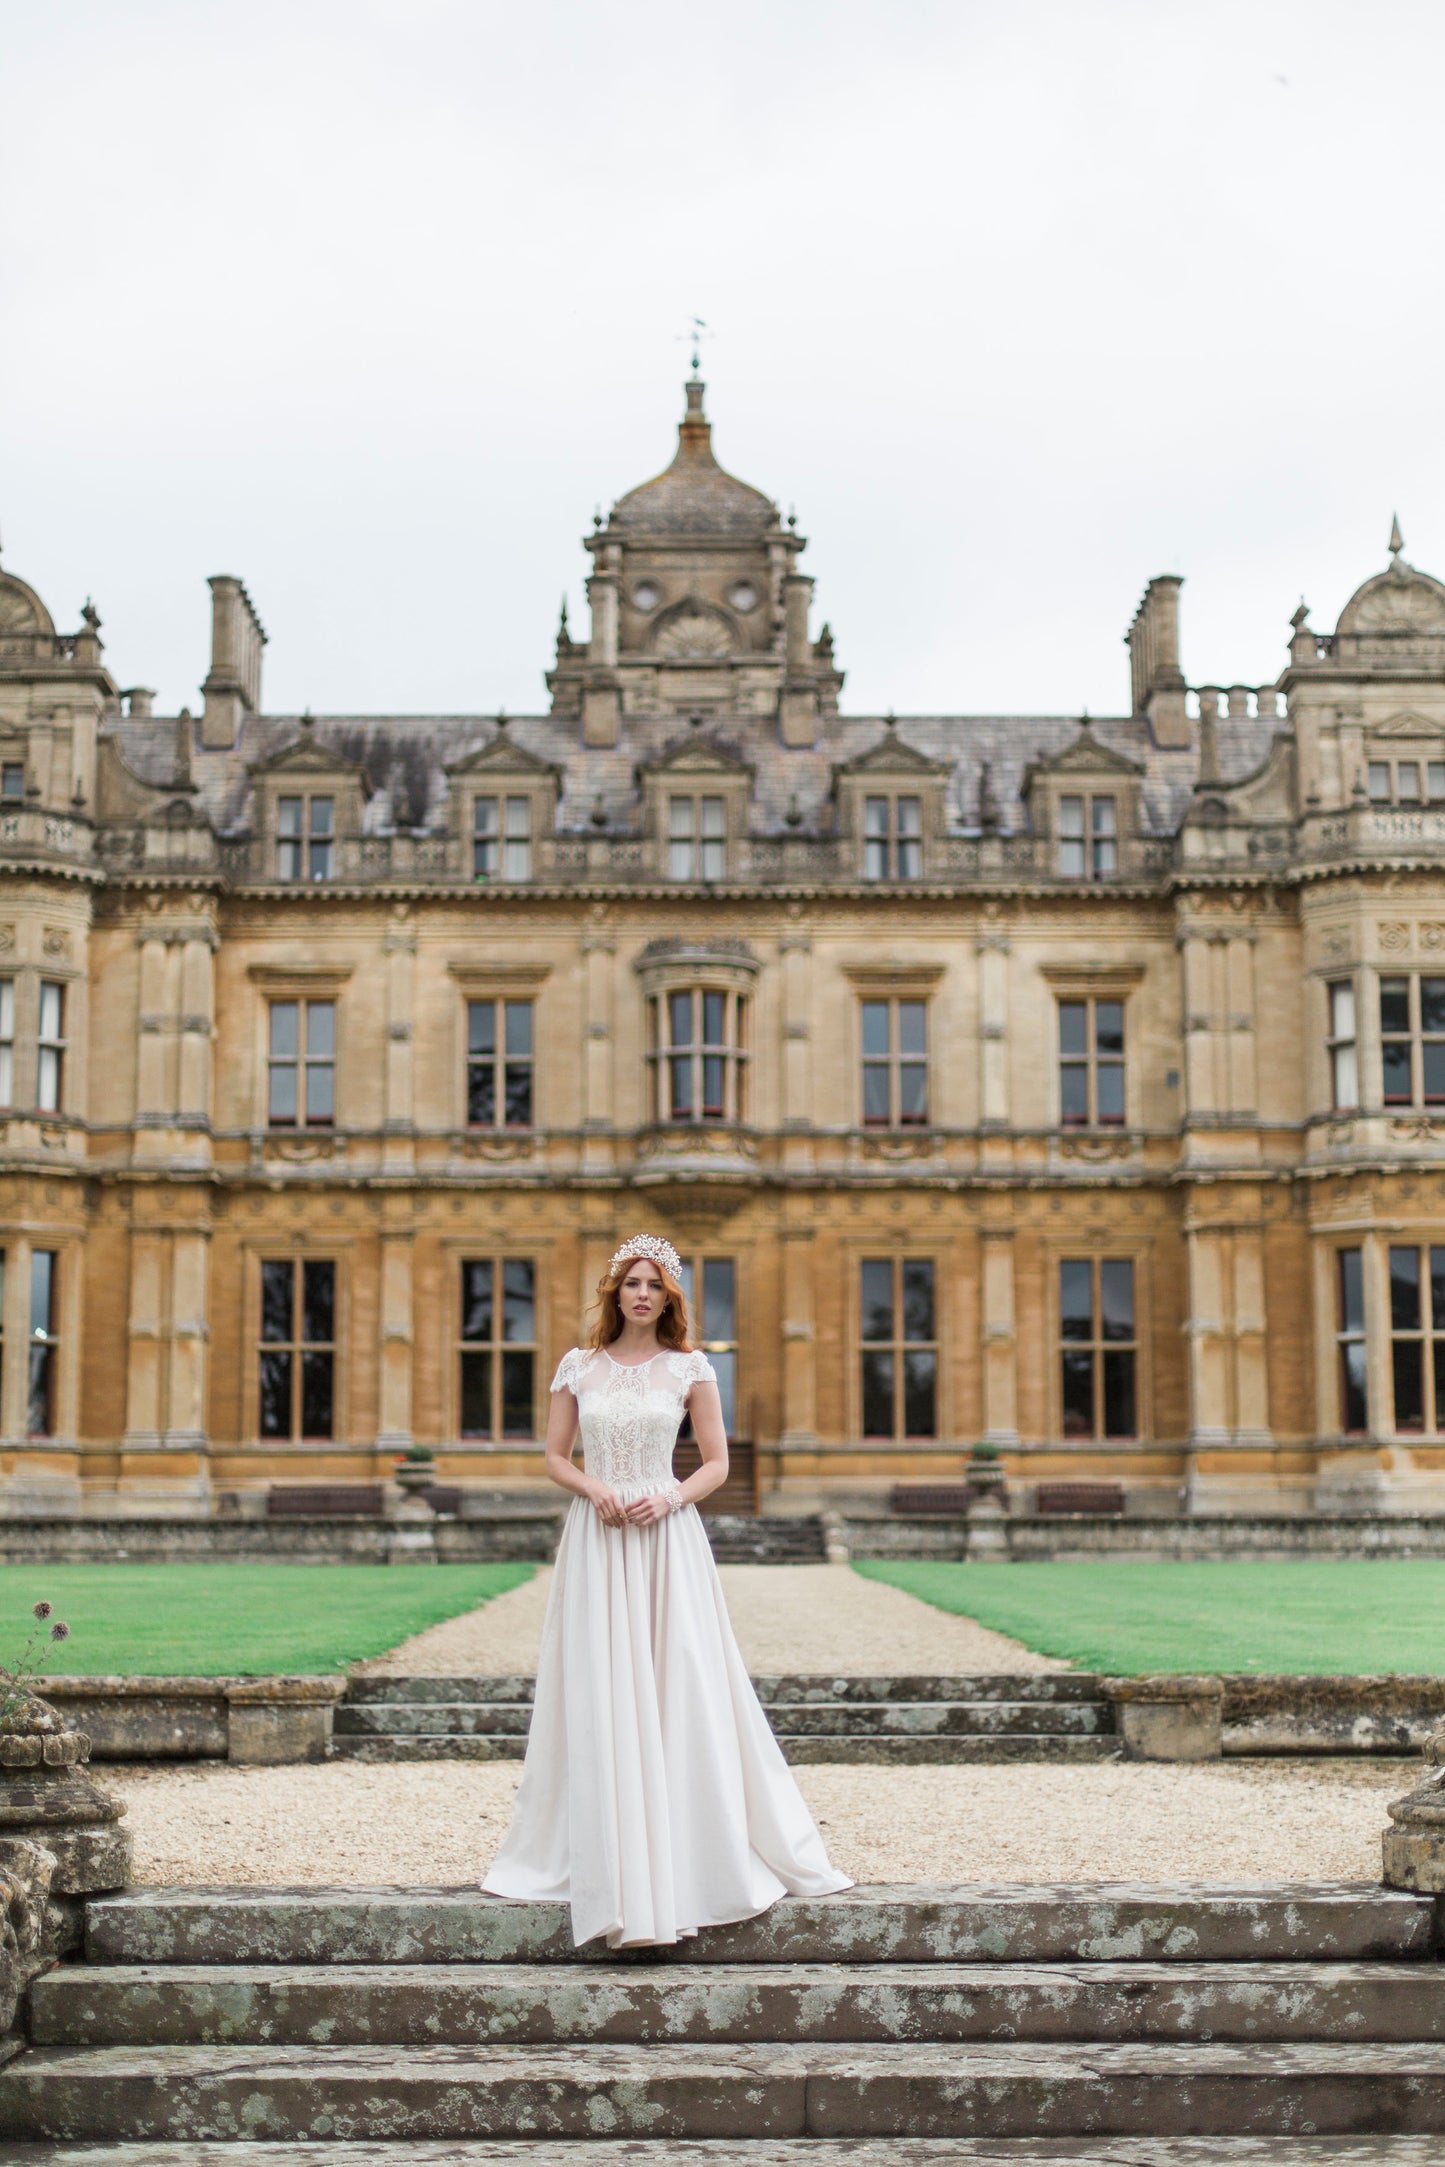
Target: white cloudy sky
1018, 302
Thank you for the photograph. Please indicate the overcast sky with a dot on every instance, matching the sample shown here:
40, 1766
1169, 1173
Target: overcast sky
372, 301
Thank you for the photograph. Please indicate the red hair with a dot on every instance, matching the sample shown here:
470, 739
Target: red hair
673, 1327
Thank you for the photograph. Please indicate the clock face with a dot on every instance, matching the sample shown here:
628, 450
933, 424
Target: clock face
646, 594
743, 595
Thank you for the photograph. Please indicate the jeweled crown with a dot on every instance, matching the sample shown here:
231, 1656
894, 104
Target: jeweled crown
655, 1248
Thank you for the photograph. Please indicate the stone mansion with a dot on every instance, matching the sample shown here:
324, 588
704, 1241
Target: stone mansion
1074, 1087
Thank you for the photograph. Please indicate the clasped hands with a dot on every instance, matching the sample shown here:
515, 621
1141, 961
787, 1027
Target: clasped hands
642, 1512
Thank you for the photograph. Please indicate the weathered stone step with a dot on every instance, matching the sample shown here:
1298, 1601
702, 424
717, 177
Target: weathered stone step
1048, 1686
280, 2093
765, 2152
540, 2004
802, 1752
986, 1718
435, 1719
917, 1923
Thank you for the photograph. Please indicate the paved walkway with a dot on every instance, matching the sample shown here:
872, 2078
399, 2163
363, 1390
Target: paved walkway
823, 1618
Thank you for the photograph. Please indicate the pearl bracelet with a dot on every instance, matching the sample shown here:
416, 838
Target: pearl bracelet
675, 1498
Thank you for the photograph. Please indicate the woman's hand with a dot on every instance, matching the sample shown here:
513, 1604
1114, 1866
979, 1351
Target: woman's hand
607, 1504
643, 1511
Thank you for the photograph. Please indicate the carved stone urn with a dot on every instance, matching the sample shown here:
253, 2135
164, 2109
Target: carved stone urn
46, 1798
1415, 1846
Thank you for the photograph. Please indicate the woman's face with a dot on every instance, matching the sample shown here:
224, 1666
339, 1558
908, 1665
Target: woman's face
642, 1294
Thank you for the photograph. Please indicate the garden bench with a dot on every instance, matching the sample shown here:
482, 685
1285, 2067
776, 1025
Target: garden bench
1098, 1497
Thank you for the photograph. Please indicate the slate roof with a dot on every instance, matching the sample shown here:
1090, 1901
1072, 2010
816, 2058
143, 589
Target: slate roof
405, 757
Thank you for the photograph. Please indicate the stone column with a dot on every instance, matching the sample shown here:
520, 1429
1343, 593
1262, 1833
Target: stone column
1208, 1356
198, 1008
800, 1410
398, 1110
189, 1335
1251, 1367
13, 1373
152, 1097
394, 1432
998, 1355
599, 961
1239, 973
795, 952
1199, 1080
143, 1368
993, 949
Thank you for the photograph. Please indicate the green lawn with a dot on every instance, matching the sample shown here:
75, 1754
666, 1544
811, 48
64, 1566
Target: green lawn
1266, 1614
212, 1621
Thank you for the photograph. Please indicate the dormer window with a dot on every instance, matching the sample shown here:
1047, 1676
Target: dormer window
305, 837
696, 838
1088, 836
502, 838
892, 838
1406, 782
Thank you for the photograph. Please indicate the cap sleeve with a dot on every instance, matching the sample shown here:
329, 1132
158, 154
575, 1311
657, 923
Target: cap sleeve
699, 1371
569, 1370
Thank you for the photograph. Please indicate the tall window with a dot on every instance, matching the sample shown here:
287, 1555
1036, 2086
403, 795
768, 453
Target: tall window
502, 838
498, 1350
710, 1284
1350, 1339
301, 1088
305, 837
1417, 1337
699, 1055
7, 1042
892, 838
696, 838
44, 1345
899, 1348
1099, 1347
50, 1065
895, 1064
12, 781
1088, 837
1412, 1040
1399, 782
499, 1064
1091, 1064
1344, 1057
298, 1347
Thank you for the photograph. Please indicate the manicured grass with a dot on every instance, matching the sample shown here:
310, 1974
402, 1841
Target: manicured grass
1266, 1614
211, 1621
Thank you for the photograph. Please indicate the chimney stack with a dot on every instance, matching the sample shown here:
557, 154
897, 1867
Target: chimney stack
232, 688
1155, 676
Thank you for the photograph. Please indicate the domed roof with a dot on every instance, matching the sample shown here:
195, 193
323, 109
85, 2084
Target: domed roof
694, 495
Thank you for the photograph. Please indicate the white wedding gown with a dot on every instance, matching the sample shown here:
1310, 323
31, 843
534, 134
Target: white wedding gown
654, 1798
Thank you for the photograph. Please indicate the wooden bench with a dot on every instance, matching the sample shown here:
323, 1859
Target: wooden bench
915, 1498
1096, 1497
325, 1501
739, 1494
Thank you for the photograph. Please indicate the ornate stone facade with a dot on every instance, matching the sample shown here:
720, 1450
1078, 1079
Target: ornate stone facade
1079, 1088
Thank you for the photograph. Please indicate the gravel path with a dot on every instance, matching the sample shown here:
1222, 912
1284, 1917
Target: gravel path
1116, 1821
787, 1618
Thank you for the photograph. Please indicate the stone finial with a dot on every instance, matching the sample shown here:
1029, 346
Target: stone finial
1397, 540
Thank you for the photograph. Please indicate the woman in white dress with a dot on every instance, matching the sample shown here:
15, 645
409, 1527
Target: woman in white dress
654, 1799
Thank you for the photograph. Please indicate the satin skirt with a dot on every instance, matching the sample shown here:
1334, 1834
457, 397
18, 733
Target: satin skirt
654, 1798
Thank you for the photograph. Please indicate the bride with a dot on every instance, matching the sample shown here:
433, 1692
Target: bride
654, 1798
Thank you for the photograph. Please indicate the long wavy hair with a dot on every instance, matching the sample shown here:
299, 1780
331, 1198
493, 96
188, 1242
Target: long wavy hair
674, 1328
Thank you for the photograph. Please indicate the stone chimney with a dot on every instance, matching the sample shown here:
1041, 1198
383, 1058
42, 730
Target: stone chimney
1156, 678
232, 688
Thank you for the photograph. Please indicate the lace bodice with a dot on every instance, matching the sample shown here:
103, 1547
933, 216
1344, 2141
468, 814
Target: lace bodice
630, 1416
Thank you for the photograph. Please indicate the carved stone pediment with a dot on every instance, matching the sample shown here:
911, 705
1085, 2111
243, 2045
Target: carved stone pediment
502, 754
1408, 725
891, 755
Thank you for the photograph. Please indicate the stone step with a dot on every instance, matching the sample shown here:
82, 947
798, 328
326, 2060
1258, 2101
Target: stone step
771, 1687
917, 1923
543, 2005
1054, 2090
764, 2152
790, 1719
802, 1752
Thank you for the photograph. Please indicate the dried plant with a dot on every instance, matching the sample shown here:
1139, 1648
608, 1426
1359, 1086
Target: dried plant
18, 1680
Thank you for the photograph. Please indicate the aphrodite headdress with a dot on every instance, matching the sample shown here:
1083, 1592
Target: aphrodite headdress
655, 1249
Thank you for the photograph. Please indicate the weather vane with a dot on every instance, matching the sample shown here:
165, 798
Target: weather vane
694, 339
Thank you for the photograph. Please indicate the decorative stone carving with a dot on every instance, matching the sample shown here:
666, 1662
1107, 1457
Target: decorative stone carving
1394, 936
46, 1798
1414, 1849
26, 1873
